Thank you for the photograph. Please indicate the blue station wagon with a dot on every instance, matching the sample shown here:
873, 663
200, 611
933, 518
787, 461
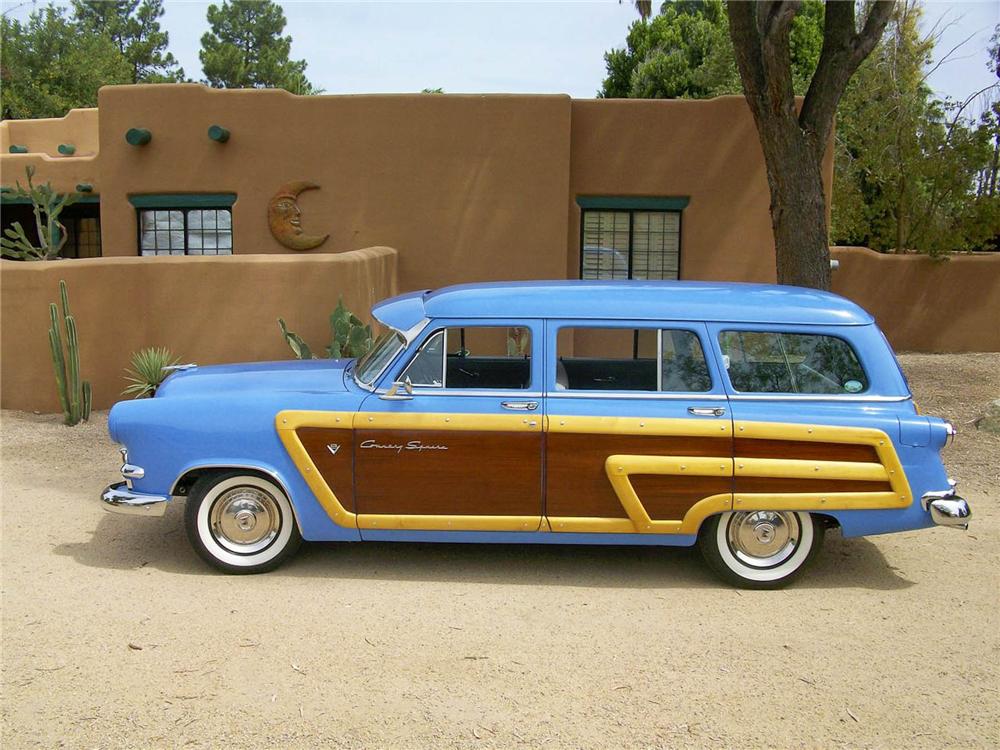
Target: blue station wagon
746, 419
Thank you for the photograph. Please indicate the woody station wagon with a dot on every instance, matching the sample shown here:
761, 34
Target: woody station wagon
746, 419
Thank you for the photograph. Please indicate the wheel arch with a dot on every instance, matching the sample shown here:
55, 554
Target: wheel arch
185, 480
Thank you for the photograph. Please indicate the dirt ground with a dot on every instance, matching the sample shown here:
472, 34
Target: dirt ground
116, 635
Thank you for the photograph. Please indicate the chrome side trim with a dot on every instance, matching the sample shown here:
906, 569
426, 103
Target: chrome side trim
947, 508
817, 397
186, 366
640, 395
431, 391
118, 498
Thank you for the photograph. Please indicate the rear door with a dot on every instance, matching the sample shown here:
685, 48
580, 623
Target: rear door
639, 435
812, 431
462, 451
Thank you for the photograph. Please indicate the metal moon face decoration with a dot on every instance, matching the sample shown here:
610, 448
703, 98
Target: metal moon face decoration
284, 217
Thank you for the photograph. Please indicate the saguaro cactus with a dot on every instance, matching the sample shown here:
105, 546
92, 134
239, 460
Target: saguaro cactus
74, 395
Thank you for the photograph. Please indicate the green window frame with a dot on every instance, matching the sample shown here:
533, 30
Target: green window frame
630, 237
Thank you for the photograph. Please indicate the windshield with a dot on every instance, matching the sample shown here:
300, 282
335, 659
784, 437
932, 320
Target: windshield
386, 348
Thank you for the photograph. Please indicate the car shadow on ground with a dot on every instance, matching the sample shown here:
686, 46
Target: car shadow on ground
130, 543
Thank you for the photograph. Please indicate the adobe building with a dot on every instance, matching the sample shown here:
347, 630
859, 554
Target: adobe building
466, 188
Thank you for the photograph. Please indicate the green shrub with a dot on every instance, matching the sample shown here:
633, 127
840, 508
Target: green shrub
148, 371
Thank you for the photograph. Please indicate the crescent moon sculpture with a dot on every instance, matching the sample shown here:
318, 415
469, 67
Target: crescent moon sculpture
284, 217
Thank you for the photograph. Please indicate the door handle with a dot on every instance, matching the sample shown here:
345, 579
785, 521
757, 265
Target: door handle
706, 411
519, 405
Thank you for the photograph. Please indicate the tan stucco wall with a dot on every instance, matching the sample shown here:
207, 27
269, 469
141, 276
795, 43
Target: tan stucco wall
78, 128
924, 305
706, 150
467, 187
206, 310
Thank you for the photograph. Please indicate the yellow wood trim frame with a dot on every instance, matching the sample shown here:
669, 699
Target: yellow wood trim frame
889, 463
790, 468
662, 426
287, 422
620, 467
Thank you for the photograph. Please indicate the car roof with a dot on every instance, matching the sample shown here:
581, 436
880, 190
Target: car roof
712, 301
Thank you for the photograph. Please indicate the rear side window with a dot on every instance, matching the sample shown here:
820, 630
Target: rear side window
474, 357
630, 359
773, 362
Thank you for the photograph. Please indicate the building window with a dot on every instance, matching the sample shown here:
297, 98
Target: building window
185, 231
630, 237
630, 244
84, 239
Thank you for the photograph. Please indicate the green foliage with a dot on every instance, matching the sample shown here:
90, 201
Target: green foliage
686, 52
74, 395
134, 27
48, 67
912, 172
350, 337
244, 48
147, 371
299, 347
46, 205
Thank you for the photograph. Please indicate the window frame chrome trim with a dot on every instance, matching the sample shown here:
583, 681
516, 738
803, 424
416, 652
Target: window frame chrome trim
647, 395
816, 397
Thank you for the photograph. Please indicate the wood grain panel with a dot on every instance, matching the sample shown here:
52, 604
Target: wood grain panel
668, 498
473, 473
817, 486
804, 450
337, 469
576, 483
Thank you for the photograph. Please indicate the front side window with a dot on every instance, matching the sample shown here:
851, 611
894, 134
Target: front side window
383, 351
774, 362
186, 231
630, 244
481, 357
631, 359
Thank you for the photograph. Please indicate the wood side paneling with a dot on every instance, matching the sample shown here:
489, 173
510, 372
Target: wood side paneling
577, 485
804, 450
471, 473
770, 485
337, 469
669, 497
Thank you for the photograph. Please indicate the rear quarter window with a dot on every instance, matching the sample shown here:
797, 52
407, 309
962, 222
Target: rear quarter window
779, 362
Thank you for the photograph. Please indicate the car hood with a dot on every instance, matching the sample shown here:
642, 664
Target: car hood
299, 376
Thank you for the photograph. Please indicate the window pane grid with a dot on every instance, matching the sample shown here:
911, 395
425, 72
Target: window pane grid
630, 244
185, 231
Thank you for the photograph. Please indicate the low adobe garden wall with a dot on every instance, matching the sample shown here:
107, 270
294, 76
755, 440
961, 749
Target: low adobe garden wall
922, 304
205, 309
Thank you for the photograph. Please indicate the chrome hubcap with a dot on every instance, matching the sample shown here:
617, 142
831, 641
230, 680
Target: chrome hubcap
245, 520
763, 538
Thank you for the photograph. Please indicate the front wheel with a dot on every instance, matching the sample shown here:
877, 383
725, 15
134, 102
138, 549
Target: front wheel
760, 549
240, 523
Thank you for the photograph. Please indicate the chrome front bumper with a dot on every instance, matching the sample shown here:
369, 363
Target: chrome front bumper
947, 508
118, 498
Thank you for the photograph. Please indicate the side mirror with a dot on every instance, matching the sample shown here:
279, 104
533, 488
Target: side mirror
393, 393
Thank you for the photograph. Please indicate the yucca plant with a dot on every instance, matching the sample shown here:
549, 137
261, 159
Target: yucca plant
148, 371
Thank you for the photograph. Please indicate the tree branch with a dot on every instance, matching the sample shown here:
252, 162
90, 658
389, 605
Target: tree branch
843, 51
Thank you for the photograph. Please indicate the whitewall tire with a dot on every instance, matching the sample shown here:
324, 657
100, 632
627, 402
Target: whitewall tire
760, 549
241, 523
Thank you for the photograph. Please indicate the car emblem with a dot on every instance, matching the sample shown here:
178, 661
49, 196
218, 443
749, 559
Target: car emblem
333, 448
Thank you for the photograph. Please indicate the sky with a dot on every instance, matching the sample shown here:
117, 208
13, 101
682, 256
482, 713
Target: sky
506, 47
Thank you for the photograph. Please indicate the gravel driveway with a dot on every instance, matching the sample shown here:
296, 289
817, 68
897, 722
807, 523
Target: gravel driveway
116, 635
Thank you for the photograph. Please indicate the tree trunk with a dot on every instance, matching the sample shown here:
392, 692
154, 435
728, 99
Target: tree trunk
798, 209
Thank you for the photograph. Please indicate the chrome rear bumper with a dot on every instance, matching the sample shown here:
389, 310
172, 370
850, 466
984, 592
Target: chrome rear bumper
947, 508
118, 498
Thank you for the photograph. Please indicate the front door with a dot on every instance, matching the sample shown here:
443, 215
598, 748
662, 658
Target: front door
639, 436
460, 449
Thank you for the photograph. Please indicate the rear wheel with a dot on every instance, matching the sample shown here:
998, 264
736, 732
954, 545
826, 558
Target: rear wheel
760, 549
240, 523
